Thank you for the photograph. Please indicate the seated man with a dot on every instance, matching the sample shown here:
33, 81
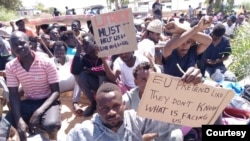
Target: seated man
182, 51
123, 67
112, 122
39, 107
230, 26
5, 56
217, 52
133, 97
146, 46
88, 72
63, 63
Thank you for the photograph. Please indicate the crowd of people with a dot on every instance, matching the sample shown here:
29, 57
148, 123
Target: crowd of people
36, 66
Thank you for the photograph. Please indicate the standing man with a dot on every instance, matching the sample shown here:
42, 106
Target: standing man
56, 13
21, 26
157, 10
39, 107
68, 11
191, 12
210, 8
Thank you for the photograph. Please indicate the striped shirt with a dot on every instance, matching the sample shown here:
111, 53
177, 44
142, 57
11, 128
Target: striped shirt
35, 82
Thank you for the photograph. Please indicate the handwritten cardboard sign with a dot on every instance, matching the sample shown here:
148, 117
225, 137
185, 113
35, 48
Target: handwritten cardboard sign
62, 19
114, 32
167, 98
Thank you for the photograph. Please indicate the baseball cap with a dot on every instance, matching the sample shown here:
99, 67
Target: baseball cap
232, 18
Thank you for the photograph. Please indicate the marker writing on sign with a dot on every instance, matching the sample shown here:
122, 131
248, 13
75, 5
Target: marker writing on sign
111, 18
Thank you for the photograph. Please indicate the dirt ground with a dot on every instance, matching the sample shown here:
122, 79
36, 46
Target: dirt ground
68, 117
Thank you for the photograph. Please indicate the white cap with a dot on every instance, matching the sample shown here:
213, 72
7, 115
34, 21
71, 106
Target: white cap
155, 26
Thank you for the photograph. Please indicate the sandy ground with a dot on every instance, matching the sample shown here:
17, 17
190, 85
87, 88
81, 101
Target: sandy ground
68, 117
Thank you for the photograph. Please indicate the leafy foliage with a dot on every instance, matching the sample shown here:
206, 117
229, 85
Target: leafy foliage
11, 4
229, 6
7, 15
241, 53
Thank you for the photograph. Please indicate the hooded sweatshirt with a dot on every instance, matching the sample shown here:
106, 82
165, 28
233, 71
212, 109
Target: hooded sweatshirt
132, 129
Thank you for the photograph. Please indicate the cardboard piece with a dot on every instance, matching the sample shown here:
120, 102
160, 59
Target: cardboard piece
63, 19
167, 98
114, 32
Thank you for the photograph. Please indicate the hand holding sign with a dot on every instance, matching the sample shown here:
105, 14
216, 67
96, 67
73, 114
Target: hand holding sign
192, 75
167, 98
114, 32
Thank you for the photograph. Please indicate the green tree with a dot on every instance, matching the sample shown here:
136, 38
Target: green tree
220, 7
230, 6
7, 15
11, 4
40, 6
247, 5
217, 6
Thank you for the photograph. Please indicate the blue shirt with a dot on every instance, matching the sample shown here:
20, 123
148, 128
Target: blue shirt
170, 63
217, 52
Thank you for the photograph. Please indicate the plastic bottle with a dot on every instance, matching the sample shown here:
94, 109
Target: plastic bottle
217, 76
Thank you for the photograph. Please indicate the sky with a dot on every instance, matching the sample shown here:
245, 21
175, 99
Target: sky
60, 4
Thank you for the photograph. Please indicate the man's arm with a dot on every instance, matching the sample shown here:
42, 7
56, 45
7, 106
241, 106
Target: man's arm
22, 127
53, 97
77, 65
150, 57
204, 41
15, 102
12, 26
112, 75
158, 129
178, 40
185, 35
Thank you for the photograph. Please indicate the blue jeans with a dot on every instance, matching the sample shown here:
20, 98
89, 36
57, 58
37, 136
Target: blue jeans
228, 75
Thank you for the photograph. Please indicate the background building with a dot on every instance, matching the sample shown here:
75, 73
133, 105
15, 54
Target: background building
27, 12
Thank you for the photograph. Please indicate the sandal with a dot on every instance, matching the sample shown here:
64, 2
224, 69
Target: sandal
78, 110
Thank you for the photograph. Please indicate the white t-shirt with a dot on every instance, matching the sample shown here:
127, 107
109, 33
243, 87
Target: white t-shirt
127, 72
229, 30
146, 45
67, 80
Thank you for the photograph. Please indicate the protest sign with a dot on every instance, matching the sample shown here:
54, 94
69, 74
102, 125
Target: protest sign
67, 19
167, 98
114, 32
